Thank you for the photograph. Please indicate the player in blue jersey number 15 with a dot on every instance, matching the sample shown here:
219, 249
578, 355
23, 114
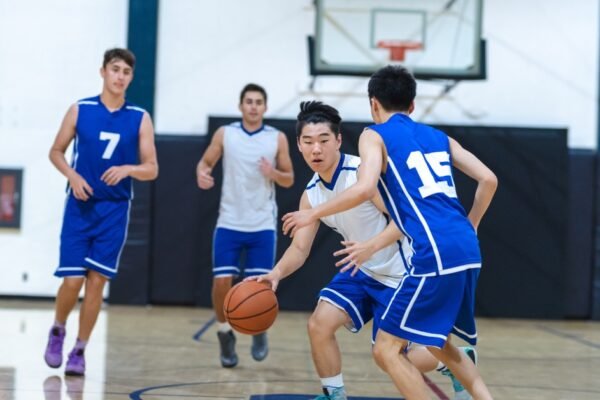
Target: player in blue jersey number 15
410, 163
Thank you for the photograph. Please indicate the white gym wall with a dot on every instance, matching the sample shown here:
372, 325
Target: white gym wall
542, 71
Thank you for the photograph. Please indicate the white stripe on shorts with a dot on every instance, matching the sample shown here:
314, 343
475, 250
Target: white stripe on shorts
408, 309
362, 323
97, 264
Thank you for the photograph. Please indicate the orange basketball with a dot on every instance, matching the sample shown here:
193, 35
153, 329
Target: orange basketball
250, 307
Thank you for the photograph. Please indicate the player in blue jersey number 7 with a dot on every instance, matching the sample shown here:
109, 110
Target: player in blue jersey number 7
410, 163
113, 143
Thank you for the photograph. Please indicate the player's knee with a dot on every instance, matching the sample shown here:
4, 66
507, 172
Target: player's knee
323, 323
435, 351
222, 283
316, 327
95, 282
383, 352
380, 356
72, 284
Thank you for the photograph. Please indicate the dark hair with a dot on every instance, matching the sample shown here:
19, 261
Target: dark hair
314, 112
253, 87
119, 54
394, 87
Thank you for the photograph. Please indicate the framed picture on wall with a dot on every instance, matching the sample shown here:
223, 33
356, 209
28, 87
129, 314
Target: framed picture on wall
11, 184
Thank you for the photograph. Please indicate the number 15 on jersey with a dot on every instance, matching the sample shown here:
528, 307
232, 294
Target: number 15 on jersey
439, 163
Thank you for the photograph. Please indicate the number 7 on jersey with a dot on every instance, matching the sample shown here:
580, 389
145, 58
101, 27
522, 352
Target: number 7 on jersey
113, 140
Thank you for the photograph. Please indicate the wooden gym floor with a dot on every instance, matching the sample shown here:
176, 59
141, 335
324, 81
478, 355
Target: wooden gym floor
171, 353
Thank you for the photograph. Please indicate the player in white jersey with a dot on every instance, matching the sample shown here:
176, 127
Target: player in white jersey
363, 288
410, 164
255, 158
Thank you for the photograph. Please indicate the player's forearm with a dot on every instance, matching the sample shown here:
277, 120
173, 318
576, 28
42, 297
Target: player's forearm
144, 172
483, 197
385, 238
283, 179
291, 261
346, 200
57, 158
203, 167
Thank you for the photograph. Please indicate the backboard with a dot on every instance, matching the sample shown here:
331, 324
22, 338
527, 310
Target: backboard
433, 38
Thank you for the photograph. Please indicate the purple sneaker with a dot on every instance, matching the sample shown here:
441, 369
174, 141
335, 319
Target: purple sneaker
76, 363
53, 355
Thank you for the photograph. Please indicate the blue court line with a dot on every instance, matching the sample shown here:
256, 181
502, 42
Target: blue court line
570, 336
204, 328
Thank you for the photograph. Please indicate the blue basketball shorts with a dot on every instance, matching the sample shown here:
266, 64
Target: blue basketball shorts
425, 310
361, 297
228, 245
92, 237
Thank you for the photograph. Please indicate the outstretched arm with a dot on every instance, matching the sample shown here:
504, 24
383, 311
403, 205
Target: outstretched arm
211, 156
371, 150
282, 173
486, 180
295, 255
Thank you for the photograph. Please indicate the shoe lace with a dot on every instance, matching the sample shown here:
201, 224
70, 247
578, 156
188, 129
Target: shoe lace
76, 357
56, 340
456, 385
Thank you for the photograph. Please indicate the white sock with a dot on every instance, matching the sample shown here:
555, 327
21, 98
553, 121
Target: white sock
333, 382
224, 326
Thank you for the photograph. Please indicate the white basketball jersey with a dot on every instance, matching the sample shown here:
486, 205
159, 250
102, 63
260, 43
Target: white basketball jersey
247, 197
358, 224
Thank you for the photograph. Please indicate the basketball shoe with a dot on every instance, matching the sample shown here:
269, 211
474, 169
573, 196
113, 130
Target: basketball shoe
460, 392
333, 394
260, 346
76, 362
53, 355
229, 358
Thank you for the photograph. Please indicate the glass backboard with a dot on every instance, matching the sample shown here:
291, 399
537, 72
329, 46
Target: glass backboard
433, 38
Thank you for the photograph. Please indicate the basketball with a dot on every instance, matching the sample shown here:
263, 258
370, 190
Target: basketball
250, 307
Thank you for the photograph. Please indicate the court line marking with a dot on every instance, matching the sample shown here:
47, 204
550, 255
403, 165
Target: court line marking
203, 329
435, 389
570, 336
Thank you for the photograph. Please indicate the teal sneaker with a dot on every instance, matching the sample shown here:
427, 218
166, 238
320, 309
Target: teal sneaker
336, 394
460, 392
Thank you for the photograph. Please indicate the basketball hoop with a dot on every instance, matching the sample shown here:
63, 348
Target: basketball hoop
398, 48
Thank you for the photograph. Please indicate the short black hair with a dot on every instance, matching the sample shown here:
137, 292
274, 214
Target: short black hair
394, 87
315, 112
119, 54
253, 87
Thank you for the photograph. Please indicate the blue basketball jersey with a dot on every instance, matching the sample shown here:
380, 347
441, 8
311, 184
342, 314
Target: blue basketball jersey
418, 189
104, 139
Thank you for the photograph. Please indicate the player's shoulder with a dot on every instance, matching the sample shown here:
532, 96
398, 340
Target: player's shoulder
429, 128
232, 125
351, 162
134, 108
269, 128
434, 135
314, 181
88, 101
